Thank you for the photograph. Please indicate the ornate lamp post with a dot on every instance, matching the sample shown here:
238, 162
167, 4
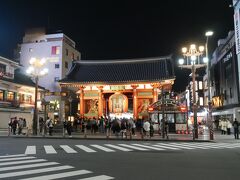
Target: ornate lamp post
210, 123
70, 107
36, 70
192, 61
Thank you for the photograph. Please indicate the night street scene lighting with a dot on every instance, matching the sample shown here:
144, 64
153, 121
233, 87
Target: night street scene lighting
193, 60
36, 70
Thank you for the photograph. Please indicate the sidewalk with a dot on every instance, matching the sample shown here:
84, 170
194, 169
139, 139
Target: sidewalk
101, 136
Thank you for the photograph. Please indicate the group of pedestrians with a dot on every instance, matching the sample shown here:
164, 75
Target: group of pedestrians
15, 125
226, 126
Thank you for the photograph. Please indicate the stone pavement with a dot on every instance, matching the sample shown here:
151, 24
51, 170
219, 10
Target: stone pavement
218, 137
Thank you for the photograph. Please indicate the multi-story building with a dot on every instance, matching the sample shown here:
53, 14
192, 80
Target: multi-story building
59, 51
16, 93
225, 80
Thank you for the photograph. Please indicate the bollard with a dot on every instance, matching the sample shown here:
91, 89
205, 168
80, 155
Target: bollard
85, 132
63, 132
142, 136
130, 134
107, 133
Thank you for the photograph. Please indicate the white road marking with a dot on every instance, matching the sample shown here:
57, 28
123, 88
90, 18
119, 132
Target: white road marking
172, 145
35, 171
50, 149
118, 147
101, 177
102, 148
60, 175
22, 162
68, 149
17, 158
166, 147
85, 148
149, 147
30, 150
28, 166
16, 155
133, 147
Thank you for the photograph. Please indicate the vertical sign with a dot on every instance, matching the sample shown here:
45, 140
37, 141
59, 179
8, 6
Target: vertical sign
237, 31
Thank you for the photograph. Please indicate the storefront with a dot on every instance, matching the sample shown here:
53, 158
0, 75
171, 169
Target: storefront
175, 115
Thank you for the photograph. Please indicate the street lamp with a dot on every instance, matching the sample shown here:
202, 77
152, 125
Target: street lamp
192, 61
36, 70
210, 123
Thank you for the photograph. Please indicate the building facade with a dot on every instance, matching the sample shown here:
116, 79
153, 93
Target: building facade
225, 80
119, 88
16, 93
59, 51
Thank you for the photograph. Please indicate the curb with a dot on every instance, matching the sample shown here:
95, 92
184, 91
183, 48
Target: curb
108, 139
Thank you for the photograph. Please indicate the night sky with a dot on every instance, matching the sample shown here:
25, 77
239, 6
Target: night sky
120, 29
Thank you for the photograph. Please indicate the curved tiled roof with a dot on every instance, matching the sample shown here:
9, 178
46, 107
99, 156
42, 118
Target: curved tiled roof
121, 71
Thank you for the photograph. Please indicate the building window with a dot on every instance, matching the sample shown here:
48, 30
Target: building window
66, 65
1, 95
2, 68
56, 66
66, 52
30, 49
10, 96
72, 56
55, 50
56, 79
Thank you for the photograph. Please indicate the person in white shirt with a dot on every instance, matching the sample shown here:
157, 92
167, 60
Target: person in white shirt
146, 128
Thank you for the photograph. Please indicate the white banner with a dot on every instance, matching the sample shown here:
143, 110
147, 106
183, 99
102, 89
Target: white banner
237, 30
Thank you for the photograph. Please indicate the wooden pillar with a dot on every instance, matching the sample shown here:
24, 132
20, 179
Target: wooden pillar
135, 113
100, 101
82, 101
155, 91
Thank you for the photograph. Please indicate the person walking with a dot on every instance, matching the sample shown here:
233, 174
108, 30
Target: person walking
236, 130
50, 126
69, 128
20, 126
14, 125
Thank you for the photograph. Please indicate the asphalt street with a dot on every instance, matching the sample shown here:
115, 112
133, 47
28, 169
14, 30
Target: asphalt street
102, 159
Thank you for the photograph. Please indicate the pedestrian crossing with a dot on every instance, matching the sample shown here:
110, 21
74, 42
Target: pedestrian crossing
25, 167
111, 148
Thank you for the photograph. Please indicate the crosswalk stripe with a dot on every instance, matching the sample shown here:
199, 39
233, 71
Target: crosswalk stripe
16, 155
149, 147
30, 150
228, 146
166, 147
50, 149
22, 162
171, 145
28, 166
35, 171
101, 177
68, 149
189, 146
102, 148
133, 147
118, 147
60, 175
17, 158
86, 149
202, 146
213, 146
